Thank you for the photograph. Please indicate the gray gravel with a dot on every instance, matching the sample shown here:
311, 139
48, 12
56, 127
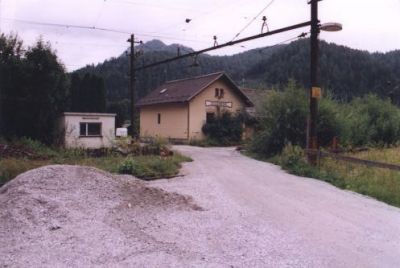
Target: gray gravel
228, 211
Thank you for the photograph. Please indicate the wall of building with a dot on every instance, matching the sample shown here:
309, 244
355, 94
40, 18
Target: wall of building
173, 124
198, 108
70, 123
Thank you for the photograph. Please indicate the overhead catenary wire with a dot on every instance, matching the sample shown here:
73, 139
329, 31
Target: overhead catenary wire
302, 35
231, 43
151, 5
199, 15
252, 20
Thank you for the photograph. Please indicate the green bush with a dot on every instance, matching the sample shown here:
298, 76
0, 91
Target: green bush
36, 146
127, 166
283, 118
364, 121
152, 167
370, 121
292, 156
226, 129
293, 160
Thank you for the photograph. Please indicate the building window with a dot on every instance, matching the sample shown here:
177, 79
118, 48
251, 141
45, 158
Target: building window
210, 117
90, 129
219, 93
159, 118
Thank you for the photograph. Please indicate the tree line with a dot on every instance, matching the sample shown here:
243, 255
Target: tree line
35, 90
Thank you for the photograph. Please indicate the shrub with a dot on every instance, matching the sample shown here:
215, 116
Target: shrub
151, 167
292, 156
283, 119
329, 122
155, 146
226, 129
36, 146
370, 120
127, 166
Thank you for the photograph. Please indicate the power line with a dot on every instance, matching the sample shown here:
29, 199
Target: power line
248, 24
65, 25
202, 15
152, 5
99, 13
302, 35
73, 26
231, 43
89, 44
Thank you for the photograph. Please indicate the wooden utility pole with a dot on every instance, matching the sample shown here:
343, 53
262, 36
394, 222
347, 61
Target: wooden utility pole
132, 80
315, 91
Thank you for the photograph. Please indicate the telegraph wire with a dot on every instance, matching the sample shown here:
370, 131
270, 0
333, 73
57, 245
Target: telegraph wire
248, 24
65, 25
202, 15
231, 43
99, 13
302, 35
74, 26
150, 5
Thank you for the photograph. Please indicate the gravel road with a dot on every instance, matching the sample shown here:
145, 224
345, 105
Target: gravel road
227, 211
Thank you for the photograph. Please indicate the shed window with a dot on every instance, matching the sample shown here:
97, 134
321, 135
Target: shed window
90, 129
216, 92
159, 118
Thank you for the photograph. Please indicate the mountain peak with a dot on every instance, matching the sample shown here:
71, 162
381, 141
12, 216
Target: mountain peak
157, 45
154, 44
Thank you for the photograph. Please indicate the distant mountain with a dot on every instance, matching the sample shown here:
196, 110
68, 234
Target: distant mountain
157, 45
115, 70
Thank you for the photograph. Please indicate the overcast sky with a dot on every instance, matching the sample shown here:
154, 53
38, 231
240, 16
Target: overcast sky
372, 25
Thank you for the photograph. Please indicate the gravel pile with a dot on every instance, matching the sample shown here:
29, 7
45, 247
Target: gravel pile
80, 216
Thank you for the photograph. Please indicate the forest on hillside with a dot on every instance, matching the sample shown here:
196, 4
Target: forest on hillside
344, 72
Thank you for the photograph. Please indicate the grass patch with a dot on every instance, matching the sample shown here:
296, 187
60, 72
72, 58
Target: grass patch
150, 167
12, 167
382, 184
145, 167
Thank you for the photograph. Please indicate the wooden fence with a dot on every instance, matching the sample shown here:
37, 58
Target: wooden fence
368, 163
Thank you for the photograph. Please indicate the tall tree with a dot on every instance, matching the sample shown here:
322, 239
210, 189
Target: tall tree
87, 93
35, 91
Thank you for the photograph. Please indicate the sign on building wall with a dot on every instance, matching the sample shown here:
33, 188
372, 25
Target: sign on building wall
225, 104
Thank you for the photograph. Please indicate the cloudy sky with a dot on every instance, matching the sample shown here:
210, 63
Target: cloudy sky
372, 25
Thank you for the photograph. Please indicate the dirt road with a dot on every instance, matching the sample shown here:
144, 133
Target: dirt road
268, 217
228, 211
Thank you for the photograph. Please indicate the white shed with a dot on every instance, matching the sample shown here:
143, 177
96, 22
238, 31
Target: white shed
88, 130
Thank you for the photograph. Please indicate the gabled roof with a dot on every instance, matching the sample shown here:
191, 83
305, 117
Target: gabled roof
184, 90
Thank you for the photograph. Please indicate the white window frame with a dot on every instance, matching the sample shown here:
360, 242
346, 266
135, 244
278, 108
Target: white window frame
86, 134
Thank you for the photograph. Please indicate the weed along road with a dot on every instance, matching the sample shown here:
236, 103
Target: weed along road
256, 215
226, 211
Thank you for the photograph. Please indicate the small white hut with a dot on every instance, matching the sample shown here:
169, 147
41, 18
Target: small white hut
88, 130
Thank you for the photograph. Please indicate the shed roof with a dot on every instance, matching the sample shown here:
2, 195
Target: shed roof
89, 114
186, 89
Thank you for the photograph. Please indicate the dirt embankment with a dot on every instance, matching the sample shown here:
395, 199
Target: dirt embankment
80, 216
